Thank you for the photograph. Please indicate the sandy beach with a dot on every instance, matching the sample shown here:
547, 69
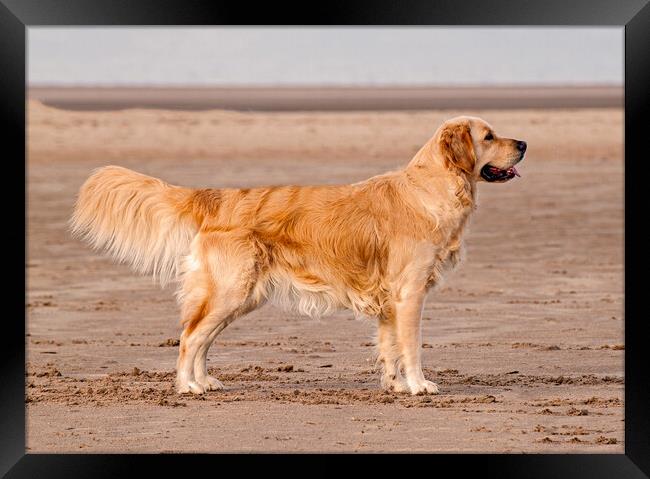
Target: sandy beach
525, 339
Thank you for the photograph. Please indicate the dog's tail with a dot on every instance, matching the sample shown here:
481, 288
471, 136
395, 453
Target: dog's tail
140, 220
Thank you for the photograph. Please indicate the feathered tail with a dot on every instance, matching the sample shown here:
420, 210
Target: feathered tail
138, 219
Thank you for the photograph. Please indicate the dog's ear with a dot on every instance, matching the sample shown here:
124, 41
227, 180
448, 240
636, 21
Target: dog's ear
457, 149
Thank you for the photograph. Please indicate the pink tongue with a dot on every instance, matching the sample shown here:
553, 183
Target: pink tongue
514, 170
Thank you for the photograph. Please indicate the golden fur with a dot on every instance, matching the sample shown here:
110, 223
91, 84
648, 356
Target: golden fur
374, 247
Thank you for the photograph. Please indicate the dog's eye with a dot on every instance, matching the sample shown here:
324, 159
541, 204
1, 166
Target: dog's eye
488, 137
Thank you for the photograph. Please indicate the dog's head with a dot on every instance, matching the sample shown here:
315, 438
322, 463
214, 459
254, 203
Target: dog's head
471, 146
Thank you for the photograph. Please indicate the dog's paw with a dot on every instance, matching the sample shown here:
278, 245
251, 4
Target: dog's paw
423, 387
211, 384
190, 387
394, 383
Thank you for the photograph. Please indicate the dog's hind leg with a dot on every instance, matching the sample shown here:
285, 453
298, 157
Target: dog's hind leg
215, 293
201, 376
214, 326
192, 369
191, 341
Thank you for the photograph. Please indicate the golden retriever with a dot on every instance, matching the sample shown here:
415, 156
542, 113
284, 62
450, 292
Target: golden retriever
375, 247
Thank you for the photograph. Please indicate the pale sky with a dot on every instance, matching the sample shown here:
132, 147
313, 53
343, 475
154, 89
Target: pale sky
325, 56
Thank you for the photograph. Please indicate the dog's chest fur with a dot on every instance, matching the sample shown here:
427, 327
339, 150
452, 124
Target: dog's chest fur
456, 213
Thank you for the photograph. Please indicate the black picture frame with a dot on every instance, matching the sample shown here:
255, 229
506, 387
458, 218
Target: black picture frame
633, 15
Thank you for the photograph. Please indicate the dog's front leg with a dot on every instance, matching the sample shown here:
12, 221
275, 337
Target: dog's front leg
389, 355
409, 338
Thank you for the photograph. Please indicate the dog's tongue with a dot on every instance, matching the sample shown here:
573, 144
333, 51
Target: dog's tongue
512, 169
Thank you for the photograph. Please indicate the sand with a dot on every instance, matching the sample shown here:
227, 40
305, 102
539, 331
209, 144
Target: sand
525, 339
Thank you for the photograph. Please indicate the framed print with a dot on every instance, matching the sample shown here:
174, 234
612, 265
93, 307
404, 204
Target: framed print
387, 230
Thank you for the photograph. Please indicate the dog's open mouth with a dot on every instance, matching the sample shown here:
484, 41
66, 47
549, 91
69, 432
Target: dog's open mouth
492, 173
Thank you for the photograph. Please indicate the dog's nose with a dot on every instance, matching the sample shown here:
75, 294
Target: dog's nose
521, 146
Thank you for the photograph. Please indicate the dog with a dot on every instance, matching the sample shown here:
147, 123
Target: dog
376, 247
